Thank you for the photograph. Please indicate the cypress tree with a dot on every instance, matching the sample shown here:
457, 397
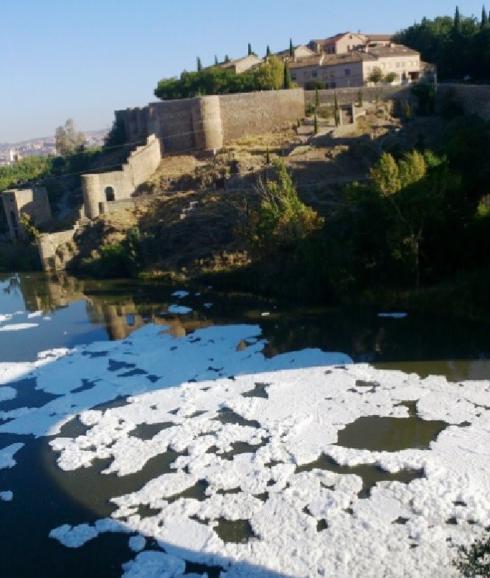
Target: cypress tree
336, 109
227, 58
317, 98
267, 157
250, 51
216, 61
199, 64
268, 52
315, 124
457, 19
287, 77
484, 17
291, 48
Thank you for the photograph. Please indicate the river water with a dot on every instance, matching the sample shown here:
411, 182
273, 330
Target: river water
48, 313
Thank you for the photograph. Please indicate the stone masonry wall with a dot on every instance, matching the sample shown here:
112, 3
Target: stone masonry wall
48, 245
32, 202
475, 99
351, 95
101, 188
211, 122
260, 112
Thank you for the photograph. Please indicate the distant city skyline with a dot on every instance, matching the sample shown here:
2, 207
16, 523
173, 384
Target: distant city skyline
83, 61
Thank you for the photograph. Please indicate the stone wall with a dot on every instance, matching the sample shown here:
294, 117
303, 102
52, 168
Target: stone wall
211, 122
31, 202
101, 188
475, 99
48, 245
260, 112
351, 95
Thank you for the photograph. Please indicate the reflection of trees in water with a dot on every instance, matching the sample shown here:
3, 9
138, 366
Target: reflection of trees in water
121, 309
370, 339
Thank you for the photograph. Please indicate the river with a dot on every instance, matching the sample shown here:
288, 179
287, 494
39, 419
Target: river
206, 416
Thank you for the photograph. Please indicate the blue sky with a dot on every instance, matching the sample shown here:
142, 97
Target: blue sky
83, 59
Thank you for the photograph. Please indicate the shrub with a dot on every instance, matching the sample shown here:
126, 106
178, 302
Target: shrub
474, 560
282, 219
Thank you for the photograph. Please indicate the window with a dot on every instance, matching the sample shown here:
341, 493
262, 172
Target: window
315, 74
347, 72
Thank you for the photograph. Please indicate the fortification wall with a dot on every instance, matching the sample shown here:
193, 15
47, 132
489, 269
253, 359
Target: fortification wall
100, 188
351, 95
260, 112
475, 99
210, 122
32, 202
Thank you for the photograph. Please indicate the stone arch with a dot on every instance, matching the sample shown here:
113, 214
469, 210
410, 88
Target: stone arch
109, 194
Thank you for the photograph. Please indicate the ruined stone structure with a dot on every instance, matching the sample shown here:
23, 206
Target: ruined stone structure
48, 244
33, 203
211, 122
100, 189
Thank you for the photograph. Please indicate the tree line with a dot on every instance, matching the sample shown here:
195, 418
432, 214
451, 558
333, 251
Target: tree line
273, 74
458, 45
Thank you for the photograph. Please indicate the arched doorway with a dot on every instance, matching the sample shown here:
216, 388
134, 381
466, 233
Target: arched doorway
109, 194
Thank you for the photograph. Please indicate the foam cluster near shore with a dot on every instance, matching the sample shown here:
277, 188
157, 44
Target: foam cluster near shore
250, 441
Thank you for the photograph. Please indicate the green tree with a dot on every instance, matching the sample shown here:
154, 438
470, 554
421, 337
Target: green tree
484, 18
376, 75
390, 77
269, 75
287, 77
336, 109
199, 64
317, 98
315, 123
216, 61
385, 175
68, 140
282, 219
117, 135
250, 51
268, 52
457, 20
360, 97
291, 48
474, 560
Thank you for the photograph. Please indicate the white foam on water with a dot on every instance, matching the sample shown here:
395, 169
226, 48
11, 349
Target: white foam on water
18, 327
7, 455
179, 310
242, 424
180, 294
6, 496
154, 564
137, 543
393, 315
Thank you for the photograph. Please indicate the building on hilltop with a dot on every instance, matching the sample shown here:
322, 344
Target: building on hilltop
354, 68
33, 203
348, 42
301, 51
241, 65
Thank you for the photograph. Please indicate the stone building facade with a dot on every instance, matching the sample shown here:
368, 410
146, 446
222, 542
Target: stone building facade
33, 203
353, 69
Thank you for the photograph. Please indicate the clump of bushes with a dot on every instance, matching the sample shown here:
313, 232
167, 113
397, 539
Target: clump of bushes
474, 560
282, 219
